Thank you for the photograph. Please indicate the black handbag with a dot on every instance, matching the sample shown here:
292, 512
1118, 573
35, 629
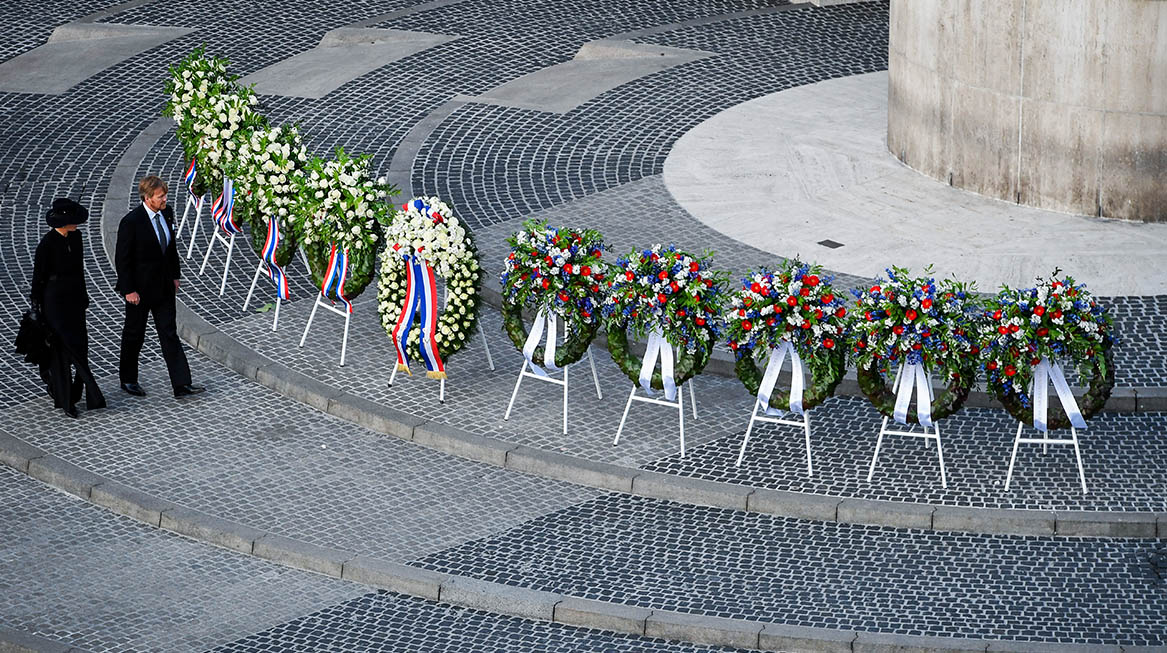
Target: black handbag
33, 338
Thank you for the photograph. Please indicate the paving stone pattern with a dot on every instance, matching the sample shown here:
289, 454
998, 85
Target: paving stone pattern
78, 574
657, 554
26, 24
246, 454
385, 621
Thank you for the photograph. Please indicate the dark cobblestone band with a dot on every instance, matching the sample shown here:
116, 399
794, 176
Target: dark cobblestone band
216, 345
460, 590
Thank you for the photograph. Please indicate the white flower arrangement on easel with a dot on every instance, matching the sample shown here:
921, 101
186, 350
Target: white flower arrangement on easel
424, 242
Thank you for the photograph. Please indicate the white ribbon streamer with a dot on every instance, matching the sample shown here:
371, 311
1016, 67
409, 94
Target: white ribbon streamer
552, 324
1043, 374
770, 378
913, 377
657, 345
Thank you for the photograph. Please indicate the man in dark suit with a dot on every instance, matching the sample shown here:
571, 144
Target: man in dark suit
147, 268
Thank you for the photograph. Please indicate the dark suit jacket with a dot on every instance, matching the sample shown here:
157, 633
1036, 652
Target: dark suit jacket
141, 264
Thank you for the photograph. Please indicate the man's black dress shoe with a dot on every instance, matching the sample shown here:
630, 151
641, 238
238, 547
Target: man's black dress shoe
134, 389
71, 411
188, 390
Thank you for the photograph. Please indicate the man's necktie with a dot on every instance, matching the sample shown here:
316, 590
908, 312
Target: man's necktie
160, 230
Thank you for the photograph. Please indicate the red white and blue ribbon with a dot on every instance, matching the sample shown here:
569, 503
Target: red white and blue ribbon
658, 346
420, 306
274, 271
1044, 373
770, 379
335, 276
913, 377
223, 209
192, 198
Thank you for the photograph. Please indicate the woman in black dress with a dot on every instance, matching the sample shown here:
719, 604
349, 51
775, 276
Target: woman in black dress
58, 293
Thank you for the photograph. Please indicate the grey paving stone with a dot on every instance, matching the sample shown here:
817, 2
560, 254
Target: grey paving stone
500, 599
884, 643
63, 475
777, 637
394, 577
901, 515
794, 504
15, 641
605, 616
570, 468
702, 629
211, 529
130, 502
16, 453
1092, 524
301, 555
231, 353
989, 520
690, 490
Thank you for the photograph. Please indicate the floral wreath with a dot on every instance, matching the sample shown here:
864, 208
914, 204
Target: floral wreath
559, 270
214, 114
794, 303
270, 167
666, 289
913, 320
341, 203
428, 228
1057, 320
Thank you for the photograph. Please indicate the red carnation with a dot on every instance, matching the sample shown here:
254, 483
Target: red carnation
770, 321
874, 289
732, 345
662, 298
708, 282
818, 315
860, 345
586, 271
1039, 311
629, 276
694, 266
546, 283
992, 365
1013, 328
681, 313
700, 321
828, 343
747, 325
996, 315
1034, 361
1057, 314
842, 312
911, 315
806, 325
563, 297
811, 280
792, 300
917, 346
1042, 332
898, 330
756, 287
804, 291
926, 304
663, 275
1010, 370
867, 315
828, 298
673, 286
567, 268
1002, 330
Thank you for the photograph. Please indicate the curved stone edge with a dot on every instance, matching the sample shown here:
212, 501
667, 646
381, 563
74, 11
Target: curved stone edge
218, 346
495, 598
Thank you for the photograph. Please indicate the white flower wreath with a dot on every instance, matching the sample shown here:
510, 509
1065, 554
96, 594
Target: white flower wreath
428, 228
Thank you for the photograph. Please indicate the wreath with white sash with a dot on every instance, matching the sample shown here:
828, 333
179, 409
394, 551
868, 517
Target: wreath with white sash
671, 298
912, 329
1029, 333
792, 311
559, 273
425, 242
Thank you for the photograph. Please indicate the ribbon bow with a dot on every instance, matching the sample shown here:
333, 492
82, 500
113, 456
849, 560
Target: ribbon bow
913, 377
658, 346
551, 321
1043, 373
770, 379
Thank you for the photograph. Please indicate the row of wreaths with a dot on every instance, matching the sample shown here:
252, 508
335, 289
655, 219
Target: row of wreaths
955, 334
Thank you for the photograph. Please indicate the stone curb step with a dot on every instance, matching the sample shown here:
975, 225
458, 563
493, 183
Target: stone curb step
17, 641
495, 598
220, 347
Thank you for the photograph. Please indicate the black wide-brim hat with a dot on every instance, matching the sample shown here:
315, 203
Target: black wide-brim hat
66, 212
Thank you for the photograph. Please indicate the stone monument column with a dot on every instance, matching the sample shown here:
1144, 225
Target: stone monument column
1057, 104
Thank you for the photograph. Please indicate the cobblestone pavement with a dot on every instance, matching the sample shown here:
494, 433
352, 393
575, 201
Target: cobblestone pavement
244, 453
76, 573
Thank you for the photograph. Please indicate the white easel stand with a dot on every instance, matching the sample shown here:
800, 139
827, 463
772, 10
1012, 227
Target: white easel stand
679, 403
925, 434
763, 417
195, 225
279, 300
321, 300
441, 385
1045, 441
182, 222
523, 372
230, 243
490, 359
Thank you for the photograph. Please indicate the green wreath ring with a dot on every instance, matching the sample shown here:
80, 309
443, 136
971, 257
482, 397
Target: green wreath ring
687, 365
879, 393
1091, 403
821, 387
574, 347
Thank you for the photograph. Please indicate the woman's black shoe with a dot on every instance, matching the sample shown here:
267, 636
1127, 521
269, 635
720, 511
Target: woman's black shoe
71, 411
